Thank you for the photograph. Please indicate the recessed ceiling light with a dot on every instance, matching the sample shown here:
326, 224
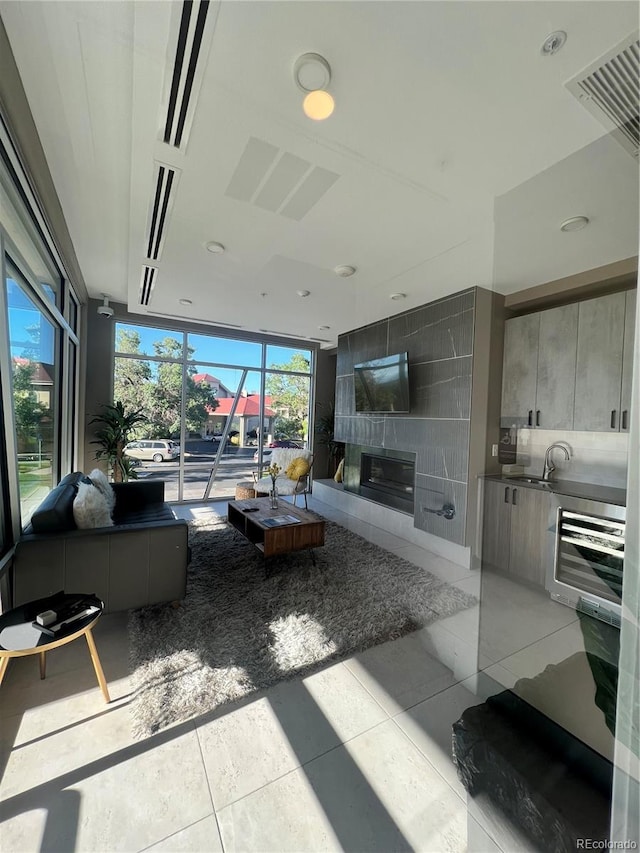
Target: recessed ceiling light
397, 296
303, 292
576, 223
311, 71
215, 248
324, 328
553, 43
344, 270
185, 302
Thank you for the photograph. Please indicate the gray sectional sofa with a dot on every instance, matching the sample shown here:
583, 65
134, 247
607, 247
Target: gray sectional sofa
141, 560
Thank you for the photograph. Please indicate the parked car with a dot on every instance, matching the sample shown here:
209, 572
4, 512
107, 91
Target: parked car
156, 450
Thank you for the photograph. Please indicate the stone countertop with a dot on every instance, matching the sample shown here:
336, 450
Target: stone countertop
587, 491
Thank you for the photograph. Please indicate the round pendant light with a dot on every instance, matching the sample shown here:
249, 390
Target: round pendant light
312, 74
318, 105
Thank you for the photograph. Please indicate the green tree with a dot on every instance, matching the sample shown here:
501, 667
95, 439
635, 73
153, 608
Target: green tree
156, 388
288, 427
290, 395
131, 377
29, 411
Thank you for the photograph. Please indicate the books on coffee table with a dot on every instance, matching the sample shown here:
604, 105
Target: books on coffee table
280, 520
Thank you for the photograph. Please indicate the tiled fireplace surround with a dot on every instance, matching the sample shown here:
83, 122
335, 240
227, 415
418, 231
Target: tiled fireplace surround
439, 340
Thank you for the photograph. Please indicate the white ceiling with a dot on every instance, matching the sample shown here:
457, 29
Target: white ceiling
441, 107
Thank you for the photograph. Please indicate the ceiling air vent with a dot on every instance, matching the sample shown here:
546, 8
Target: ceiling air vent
159, 210
200, 322
186, 74
147, 283
608, 88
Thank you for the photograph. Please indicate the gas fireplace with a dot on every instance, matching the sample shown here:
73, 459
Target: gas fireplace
388, 480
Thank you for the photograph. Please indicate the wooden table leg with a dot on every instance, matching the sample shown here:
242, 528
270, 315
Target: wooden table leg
97, 665
4, 663
43, 664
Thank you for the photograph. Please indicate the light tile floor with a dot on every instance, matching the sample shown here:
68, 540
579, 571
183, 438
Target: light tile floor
355, 757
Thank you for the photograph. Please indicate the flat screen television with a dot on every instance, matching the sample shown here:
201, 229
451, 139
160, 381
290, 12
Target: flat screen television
382, 384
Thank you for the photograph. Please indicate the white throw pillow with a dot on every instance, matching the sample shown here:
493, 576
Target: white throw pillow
90, 508
99, 480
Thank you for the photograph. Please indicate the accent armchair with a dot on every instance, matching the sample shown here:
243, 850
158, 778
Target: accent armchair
293, 479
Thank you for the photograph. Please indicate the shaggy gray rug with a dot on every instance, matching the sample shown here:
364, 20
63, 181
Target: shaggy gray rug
238, 632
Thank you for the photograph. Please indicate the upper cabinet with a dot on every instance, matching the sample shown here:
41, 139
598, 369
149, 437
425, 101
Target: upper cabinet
627, 359
539, 369
599, 369
570, 367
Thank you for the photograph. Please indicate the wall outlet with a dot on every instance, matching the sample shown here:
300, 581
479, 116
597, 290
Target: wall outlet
494, 449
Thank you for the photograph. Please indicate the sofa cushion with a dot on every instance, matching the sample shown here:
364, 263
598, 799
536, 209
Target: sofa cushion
90, 508
55, 513
146, 514
99, 480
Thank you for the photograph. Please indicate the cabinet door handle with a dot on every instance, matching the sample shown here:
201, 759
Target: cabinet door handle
613, 418
513, 497
530, 417
624, 419
506, 494
538, 417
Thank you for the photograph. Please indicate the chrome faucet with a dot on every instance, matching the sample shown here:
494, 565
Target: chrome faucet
549, 467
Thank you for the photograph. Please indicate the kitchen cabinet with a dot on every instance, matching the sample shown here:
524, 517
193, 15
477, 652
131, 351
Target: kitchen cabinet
515, 531
599, 363
539, 369
570, 367
627, 359
519, 372
556, 374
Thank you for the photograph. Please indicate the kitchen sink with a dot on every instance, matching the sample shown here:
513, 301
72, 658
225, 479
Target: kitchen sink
537, 480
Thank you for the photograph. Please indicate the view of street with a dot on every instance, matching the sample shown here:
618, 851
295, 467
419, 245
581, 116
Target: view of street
236, 464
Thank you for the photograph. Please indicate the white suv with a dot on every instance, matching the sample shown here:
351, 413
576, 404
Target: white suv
157, 450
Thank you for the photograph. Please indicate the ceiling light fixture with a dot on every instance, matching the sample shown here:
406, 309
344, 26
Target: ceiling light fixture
344, 270
214, 248
576, 223
185, 301
312, 74
553, 43
396, 296
324, 328
303, 293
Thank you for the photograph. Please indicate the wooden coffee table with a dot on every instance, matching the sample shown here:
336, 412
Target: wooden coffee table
307, 532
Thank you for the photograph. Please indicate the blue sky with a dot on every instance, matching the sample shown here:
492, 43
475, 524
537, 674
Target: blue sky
23, 314
217, 350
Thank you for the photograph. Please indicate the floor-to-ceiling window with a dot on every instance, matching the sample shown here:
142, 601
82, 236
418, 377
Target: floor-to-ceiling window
222, 402
39, 318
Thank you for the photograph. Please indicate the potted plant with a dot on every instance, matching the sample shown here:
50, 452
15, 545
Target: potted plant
113, 435
325, 431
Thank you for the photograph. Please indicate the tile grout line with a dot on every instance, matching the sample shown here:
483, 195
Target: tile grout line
303, 765
171, 835
206, 776
528, 646
426, 758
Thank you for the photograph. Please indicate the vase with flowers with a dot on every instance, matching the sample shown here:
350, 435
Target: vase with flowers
273, 470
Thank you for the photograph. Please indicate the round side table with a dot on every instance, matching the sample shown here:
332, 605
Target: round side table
19, 638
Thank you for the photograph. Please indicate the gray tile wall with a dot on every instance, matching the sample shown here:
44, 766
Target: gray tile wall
439, 340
